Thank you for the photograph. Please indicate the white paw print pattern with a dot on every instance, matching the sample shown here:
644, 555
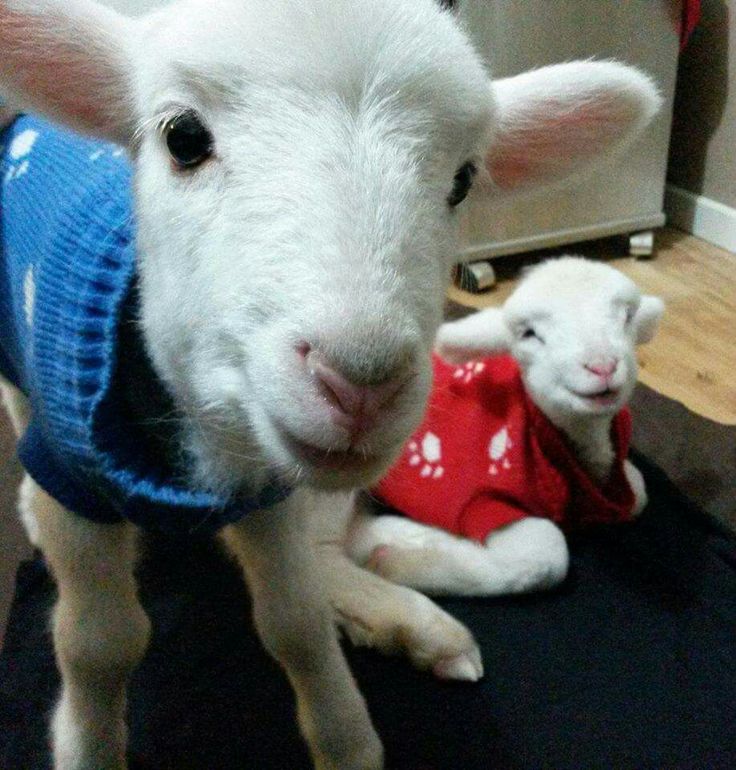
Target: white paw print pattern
469, 371
111, 149
428, 456
498, 450
29, 294
19, 150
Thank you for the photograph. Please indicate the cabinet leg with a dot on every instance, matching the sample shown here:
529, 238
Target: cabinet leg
475, 277
641, 244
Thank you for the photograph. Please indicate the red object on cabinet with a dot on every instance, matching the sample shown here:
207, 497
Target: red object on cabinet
690, 19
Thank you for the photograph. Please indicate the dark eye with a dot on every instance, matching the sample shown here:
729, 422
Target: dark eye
189, 142
630, 313
529, 334
462, 184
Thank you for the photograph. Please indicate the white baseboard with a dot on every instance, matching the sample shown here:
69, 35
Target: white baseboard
707, 219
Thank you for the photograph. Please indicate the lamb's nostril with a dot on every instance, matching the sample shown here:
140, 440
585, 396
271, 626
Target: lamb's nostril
339, 390
303, 349
604, 367
359, 403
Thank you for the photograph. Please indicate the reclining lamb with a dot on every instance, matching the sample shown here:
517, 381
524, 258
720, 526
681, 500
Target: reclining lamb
517, 448
183, 377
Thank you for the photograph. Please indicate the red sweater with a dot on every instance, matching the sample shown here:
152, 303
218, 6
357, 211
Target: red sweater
486, 456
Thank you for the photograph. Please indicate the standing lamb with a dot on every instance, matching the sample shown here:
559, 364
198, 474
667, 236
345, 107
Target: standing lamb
522, 445
336, 135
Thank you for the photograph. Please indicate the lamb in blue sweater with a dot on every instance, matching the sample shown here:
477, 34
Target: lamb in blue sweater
68, 321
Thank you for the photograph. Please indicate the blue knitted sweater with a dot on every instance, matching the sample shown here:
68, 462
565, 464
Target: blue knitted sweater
67, 287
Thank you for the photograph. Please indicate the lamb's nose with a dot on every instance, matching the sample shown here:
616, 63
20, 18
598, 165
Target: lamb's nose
603, 367
354, 407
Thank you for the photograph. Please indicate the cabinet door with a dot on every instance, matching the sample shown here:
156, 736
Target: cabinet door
627, 194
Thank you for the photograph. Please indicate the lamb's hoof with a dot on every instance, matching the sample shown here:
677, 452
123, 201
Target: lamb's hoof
467, 667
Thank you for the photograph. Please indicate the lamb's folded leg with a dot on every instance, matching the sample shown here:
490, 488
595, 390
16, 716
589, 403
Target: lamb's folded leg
295, 622
100, 632
636, 480
376, 613
528, 555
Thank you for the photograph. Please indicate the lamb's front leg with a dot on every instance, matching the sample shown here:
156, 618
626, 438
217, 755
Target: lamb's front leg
528, 555
100, 631
295, 622
376, 613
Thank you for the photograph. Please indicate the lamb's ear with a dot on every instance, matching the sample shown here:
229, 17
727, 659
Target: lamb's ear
647, 317
481, 334
558, 121
70, 60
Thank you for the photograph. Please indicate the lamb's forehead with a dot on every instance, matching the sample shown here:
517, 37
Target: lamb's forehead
570, 286
339, 45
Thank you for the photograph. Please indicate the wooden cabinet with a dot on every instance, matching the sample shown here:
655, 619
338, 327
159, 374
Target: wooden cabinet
626, 196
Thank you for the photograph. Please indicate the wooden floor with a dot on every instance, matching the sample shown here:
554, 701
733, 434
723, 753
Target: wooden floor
693, 357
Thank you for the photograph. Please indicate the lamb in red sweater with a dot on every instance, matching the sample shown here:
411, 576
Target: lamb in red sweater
516, 448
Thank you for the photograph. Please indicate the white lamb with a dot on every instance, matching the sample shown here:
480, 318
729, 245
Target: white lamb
334, 136
571, 326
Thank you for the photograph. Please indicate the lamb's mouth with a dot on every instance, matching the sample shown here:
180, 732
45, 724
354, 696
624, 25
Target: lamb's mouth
606, 397
350, 459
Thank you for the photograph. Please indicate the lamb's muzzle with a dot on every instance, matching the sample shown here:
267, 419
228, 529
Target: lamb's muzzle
353, 406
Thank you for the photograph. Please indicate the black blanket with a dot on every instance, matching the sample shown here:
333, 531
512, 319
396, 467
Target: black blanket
631, 663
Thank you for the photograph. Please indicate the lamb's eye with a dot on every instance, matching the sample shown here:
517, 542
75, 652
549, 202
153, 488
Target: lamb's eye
530, 333
630, 313
462, 184
189, 142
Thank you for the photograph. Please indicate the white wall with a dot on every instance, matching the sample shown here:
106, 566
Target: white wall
703, 153
701, 194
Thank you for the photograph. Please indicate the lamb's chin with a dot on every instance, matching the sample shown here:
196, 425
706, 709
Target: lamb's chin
225, 462
341, 478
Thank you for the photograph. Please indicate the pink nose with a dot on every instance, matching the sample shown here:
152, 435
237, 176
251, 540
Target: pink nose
603, 367
354, 407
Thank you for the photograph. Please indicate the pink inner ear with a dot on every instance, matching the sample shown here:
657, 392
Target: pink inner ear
77, 104
62, 68
550, 142
508, 173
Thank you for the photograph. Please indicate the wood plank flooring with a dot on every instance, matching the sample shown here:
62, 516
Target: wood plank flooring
693, 357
